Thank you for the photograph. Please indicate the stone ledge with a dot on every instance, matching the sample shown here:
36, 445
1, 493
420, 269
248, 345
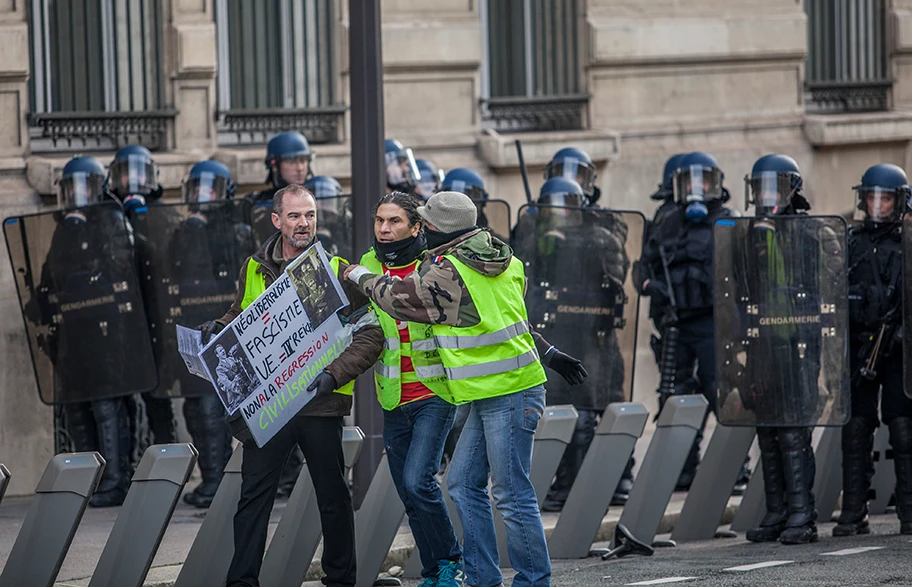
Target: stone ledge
853, 129
498, 150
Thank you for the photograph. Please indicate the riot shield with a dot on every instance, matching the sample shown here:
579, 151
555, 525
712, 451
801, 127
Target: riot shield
334, 224
907, 303
78, 289
781, 321
190, 258
581, 296
495, 216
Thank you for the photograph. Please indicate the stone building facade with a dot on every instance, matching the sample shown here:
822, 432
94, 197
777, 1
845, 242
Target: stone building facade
629, 81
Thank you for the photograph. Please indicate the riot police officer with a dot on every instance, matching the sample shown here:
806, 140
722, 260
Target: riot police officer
429, 180
402, 173
680, 245
774, 187
876, 361
133, 180
200, 252
575, 164
567, 247
335, 230
289, 160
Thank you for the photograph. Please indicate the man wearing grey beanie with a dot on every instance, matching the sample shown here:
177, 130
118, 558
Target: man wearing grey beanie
469, 287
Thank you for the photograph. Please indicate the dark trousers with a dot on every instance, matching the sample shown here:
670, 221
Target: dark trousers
321, 441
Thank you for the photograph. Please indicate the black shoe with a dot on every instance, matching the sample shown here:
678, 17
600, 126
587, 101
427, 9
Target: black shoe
765, 533
625, 486
852, 528
739, 488
552, 505
198, 499
799, 535
684, 482
107, 499
905, 527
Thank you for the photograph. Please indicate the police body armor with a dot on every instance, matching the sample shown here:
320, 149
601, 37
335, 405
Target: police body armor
580, 295
907, 302
190, 259
78, 287
781, 321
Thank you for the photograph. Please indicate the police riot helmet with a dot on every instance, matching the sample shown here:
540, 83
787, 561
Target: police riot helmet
133, 175
666, 188
327, 191
82, 182
208, 181
560, 191
575, 164
287, 146
401, 170
883, 194
429, 178
465, 181
696, 182
774, 186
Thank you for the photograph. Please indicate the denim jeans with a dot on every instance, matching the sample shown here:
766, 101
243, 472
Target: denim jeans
497, 440
414, 435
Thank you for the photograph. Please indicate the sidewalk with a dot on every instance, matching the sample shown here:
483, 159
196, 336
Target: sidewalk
97, 523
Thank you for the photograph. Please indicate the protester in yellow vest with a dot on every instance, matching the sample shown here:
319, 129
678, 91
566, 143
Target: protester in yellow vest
413, 391
317, 428
469, 287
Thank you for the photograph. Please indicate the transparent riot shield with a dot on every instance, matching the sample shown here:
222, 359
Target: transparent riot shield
334, 224
581, 296
495, 216
78, 289
907, 303
781, 321
190, 257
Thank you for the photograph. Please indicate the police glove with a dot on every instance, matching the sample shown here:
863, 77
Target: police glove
208, 330
324, 384
656, 290
569, 368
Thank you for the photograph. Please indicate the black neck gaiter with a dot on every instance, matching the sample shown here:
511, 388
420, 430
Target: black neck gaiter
400, 253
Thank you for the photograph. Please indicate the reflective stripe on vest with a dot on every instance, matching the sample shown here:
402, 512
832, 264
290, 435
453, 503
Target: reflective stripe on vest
422, 350
497, 356
255, 285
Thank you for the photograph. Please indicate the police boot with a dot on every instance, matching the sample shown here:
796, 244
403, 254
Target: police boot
901, 441
290, 473
205, 422
743, 479
773, 523
160, 414
111, 419
80, 426
857, 470
798, 467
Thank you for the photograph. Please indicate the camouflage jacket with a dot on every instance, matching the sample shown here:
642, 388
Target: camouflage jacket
361, 354
436, 294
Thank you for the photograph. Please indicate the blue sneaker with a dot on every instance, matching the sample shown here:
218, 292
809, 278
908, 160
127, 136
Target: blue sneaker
428, 582
450, 573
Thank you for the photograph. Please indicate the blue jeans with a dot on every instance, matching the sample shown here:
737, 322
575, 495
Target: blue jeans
497, 440
414, 435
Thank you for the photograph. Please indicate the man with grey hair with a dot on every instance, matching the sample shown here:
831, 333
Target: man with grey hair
469, 288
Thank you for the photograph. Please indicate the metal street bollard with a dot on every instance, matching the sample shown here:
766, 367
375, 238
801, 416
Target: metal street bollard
50, 524
621, 425
376, 524
828, 480
4, 479
211, 552
143, 519
298, 533
676, 429
711, 488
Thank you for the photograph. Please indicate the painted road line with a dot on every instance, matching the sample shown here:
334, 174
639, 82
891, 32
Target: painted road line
664, 581
846, 551
756, 566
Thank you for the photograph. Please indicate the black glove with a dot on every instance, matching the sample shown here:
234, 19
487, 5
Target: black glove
208, 330
570, 369
656, 290
324, 384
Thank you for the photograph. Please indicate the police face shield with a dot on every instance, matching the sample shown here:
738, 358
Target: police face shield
207, 187
401, 168
476, 193
694, 187
574, 169
80, 189
878, 204
560, 211
333, 206
429, 184
770, 192
294, 168
133, 176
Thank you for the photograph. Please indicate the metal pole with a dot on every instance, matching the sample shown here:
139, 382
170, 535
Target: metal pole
368, 184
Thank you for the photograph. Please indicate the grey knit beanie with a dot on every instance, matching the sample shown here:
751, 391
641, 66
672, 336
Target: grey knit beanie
449, 211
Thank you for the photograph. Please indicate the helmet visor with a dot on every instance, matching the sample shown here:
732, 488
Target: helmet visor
133, 176
401, 169
80, 189
566, 200
574, 169
334, 206
878, 204
475, 192
553, 216
770, 191
206, 187
697, 183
